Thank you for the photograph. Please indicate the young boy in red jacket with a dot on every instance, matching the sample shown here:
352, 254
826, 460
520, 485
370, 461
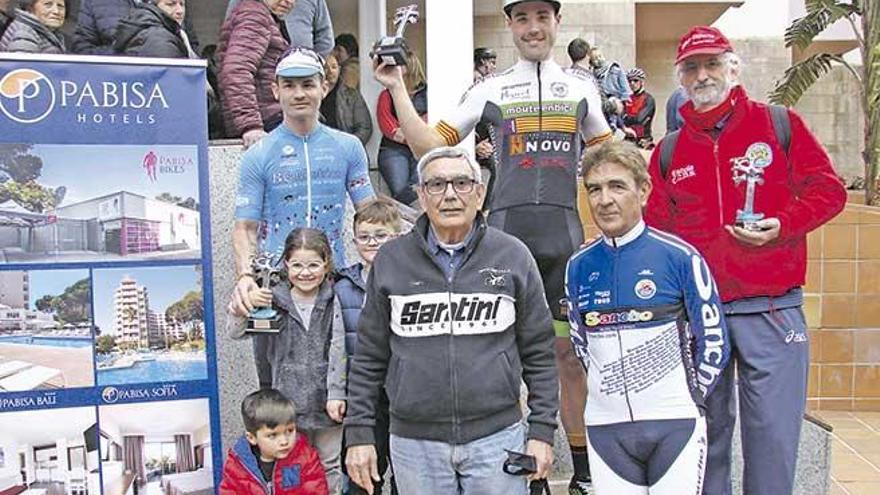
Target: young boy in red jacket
271, 458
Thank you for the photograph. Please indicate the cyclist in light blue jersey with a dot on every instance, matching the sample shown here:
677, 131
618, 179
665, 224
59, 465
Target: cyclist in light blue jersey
296, 176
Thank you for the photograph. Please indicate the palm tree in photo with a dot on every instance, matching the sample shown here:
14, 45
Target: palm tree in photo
864, 18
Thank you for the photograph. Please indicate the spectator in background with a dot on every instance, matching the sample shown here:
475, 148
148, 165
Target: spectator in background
396, 161
343, 107
484, 66
610, 75
484, 62
154, 28
308, 25
96, 26
346, 47
578, 51
6, 15
674, 120
216, 129
638, 116
252, 40
346, 50
36, 28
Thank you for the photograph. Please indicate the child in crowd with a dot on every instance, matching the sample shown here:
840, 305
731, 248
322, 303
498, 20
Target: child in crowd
307, 356
271, 457
374, 224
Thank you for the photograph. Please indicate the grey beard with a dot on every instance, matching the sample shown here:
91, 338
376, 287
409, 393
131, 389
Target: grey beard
710, 98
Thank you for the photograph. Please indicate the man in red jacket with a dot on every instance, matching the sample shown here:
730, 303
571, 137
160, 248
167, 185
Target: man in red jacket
271, 458
745, 184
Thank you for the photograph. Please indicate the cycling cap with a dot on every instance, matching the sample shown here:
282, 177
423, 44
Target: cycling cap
508, 4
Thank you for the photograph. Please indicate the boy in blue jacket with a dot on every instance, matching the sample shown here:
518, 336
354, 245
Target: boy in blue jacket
374, 224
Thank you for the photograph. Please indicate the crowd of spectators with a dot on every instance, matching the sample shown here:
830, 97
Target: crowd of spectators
628, 107
241, 102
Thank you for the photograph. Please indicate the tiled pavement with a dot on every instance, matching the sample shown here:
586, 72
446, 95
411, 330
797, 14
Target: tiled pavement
855, 454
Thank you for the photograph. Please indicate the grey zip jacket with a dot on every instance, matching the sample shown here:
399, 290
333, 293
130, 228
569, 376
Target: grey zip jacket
451, 352
307, 360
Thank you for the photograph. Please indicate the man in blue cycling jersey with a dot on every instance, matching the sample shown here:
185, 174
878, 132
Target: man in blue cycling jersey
296, 176
539, 115
646, 322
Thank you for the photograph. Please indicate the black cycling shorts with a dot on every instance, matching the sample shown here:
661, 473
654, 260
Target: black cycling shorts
552, 234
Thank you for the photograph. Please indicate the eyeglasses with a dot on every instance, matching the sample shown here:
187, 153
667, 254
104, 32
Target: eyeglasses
461, 185
312, 266
378, 238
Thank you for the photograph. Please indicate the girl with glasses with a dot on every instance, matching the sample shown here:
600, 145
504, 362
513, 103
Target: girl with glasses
306, 359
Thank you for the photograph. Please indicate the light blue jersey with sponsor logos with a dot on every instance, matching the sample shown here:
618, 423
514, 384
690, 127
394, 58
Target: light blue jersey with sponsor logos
647, 322
289, 181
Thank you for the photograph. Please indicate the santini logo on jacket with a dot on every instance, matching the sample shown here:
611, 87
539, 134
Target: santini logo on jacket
442, 313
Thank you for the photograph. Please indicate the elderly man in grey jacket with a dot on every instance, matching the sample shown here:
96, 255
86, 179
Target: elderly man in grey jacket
308, 25
450, 333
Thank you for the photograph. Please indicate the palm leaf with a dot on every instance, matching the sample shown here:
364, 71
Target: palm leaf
799, 77
820, 15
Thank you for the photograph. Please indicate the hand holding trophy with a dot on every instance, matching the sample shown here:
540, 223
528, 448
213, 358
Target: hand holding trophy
267, 274
392, 50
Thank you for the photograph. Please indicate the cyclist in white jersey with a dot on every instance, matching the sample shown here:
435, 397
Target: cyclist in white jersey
540, 114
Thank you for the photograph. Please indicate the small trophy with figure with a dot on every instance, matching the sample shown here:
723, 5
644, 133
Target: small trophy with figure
267, 274
750, 169
392, 50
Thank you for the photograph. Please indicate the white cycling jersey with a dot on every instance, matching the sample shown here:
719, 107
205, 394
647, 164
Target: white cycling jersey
539, 113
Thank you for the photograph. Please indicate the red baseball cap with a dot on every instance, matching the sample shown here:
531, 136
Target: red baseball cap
702, 40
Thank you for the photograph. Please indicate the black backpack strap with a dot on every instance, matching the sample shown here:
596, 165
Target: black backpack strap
781, 126
667, 146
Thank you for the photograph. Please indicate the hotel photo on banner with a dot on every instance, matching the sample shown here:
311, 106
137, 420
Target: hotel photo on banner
107, 348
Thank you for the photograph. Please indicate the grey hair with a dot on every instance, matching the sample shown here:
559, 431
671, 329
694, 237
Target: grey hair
28, 5
450, 152
731, 61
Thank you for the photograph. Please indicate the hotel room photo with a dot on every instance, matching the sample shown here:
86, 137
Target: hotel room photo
158, 448
49, 452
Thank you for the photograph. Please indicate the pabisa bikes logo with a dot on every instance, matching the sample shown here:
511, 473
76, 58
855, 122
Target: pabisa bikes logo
26, 96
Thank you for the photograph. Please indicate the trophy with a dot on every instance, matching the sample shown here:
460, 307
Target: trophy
750, 169
267, 274
392, 50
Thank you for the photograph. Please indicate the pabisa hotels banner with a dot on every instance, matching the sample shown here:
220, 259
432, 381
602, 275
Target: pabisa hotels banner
108, 380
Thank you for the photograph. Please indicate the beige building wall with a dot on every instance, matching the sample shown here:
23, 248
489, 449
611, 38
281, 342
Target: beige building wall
831, 108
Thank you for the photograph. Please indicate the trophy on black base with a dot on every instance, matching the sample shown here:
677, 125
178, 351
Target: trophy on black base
392, 50
267, 274
750, 169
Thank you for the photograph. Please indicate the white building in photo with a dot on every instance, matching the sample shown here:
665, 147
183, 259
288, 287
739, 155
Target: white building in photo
21, 319
135, 324
131, 310
128, 223
15, 289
